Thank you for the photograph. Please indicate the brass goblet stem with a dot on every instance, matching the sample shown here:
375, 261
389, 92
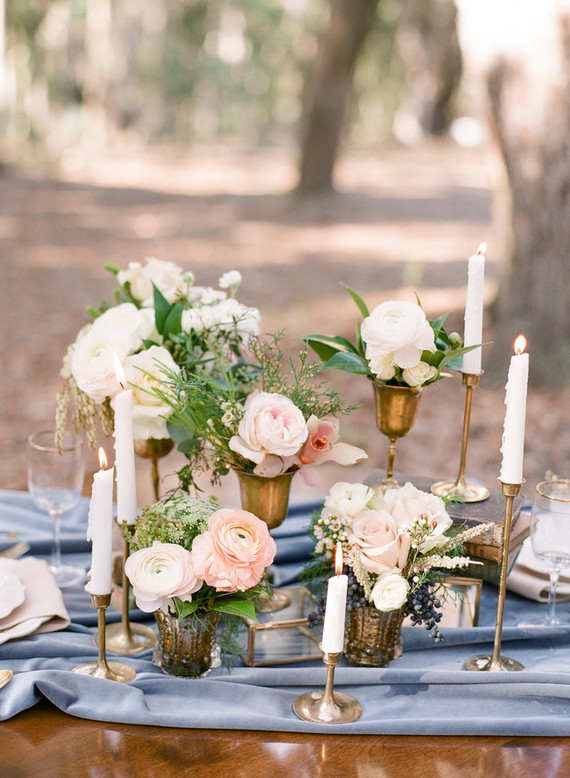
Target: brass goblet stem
112, 671
395, 409
496, 661
154, 449
467, 492
328, 706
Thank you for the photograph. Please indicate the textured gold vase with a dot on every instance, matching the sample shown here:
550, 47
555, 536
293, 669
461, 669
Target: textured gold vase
185, 647
154, 449
373, 637
266, 498
396, 408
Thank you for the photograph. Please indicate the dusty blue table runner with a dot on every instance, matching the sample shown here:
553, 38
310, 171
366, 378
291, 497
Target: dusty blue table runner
425, 692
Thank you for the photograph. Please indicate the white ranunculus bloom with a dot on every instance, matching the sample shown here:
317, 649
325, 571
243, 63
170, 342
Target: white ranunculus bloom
346, 499
398, 327
390, 592
144, 372
419, 374
92, 361
407, 503
168, 278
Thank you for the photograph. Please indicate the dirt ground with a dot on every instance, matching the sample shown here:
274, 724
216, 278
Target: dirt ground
403, 221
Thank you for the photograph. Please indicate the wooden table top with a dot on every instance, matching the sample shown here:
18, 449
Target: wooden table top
43, 741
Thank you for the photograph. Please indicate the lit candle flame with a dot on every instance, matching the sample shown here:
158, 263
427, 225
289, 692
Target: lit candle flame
103, 461
338, 559
120, 373
520, 344
482, 248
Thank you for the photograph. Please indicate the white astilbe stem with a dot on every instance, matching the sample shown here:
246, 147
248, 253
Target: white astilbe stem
446, 562
450, 543
361, 575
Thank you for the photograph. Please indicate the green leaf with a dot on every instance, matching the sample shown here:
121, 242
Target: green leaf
362, 307
173, 323
186, 608
111, 268
243, 608
350, 363
161, 310
326, 346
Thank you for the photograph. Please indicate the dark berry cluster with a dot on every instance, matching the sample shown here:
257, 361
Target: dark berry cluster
422, 608
355, 596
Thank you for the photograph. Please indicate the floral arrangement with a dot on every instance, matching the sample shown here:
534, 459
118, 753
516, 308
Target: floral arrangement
161, 320
189, 557
396, 547
395, 344
282, 422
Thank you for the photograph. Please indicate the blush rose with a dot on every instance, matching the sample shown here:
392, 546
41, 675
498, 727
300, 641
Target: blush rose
382, 546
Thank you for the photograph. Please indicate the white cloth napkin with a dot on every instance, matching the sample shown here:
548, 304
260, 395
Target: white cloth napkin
42, 610
529, 577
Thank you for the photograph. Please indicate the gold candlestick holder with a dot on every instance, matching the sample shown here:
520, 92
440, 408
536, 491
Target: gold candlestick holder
460, 488
112, 671
495, 661
125, 638
328, 706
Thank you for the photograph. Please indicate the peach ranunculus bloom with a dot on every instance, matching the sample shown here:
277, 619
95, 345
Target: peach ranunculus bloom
160, 572
271, 425
234, 552
382, 545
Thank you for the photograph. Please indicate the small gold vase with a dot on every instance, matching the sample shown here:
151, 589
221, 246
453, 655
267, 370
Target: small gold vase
154, 449
373, 637
267, 498
396, 408
186, 647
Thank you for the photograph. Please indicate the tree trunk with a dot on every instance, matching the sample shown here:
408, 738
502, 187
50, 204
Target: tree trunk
329, 91
530, 103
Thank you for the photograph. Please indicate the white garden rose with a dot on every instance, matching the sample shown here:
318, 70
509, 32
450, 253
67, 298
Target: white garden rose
168, 278
129, 323
399, 328
419, 374
408, 502
92, 362
158, 573
348, 500
390, 592
144, 371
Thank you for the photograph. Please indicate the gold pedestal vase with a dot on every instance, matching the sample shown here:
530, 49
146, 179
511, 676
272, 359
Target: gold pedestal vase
186, 647
373, 636
268, 499
396, 408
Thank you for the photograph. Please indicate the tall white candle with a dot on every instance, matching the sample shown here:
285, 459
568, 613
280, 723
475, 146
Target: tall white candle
124, 451
473, 333
335, 609
512, 446
100, 529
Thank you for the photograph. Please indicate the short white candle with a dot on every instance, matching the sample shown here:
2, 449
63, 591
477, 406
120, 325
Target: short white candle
473, 333
100, 529
512, 447
335, 610
124, 451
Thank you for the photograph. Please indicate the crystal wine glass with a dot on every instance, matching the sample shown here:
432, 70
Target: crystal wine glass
550, 539
55, 481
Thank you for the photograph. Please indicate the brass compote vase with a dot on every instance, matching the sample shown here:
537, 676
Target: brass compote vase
396, 408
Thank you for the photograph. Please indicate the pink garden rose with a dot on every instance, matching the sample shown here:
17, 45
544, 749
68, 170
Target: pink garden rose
382, 545
162, 571
234, 552
271, 425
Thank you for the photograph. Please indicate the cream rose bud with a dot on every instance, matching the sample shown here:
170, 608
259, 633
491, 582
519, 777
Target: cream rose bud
145, 372
347, 499
390, 592
158, 573
166, 276
271, 424
408, 502
398, 327
383, 367
419, 374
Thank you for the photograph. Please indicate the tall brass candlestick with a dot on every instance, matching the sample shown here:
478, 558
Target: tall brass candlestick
496, 661
328, 707
113, 671
125, 638
467, 492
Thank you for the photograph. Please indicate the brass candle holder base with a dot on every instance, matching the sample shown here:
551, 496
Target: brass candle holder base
460, 489
494, 661
112, 671
124, 638
328, 706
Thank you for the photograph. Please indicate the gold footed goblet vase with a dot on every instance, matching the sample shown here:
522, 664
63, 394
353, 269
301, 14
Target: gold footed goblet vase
268, 499
396, 409
154, 449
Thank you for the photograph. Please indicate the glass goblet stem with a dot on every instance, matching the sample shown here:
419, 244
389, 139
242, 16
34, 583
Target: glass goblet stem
551, 619
55, 562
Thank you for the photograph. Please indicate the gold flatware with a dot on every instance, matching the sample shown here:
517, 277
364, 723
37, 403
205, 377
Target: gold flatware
5, 676
15, 551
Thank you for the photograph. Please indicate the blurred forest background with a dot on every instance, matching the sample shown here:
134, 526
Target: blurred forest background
305, 143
